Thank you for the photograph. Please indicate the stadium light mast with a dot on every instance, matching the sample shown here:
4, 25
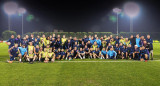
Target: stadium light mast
10, 8
132, 10
22, 11
117, 11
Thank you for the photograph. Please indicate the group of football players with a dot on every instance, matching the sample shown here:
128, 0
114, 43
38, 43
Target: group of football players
54, 47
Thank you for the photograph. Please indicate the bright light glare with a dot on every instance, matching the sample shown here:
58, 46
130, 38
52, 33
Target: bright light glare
10, 8
117, 10
131, 9
21, 10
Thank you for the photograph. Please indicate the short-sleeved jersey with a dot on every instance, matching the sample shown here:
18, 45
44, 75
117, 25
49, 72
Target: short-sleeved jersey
44, 54
50, 54
30, 48
22, 50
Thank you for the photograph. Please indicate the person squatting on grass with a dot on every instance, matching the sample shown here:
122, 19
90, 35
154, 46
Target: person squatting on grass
51, 48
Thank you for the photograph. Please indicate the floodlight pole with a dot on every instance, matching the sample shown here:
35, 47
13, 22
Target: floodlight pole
117, 23
22, 24
9, 22
131, 24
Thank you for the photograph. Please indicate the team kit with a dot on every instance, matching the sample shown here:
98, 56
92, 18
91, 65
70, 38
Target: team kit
51, 48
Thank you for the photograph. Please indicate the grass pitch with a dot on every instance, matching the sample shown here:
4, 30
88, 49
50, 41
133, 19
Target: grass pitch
109, 72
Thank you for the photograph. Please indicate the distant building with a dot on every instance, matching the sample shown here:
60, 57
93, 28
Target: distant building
55, 30
60, 30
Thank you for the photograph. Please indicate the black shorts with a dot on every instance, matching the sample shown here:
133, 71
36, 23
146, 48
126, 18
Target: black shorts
30, 59
42, 59
50, 59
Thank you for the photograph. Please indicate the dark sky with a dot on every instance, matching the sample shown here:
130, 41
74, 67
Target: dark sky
82, 15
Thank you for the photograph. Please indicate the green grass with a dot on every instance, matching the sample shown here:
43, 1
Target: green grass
80, 74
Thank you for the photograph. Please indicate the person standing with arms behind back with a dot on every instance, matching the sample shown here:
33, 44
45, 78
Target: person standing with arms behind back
150, 43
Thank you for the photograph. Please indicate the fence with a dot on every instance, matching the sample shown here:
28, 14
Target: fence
154, 35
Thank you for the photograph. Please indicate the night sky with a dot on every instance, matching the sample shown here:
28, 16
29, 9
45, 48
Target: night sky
84, 16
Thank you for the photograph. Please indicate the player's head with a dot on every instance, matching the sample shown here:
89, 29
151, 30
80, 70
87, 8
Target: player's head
148, 36
129, 45
58, 36
15, 45
121, 37
120, 44
75, 43
38, 36
62, 50
32, 35
95, 35
97, 38
75, 48
59, 49
111, 36
124, 46
27, 36
116, 45
24, 38
81, 49
48, 38
53, 39
85, 46
43, 36
30, 43
35, 40
95, 43
12, 36
54, 35
96, 49
23, 46
126, 39
132, 36
103, 49
64, 36
18, 36
105, 36
37, 46
50, 50
89, 41
111, 48
48, 46
137, 35
45, 49
82, 42
109, 44
41, 48
145, 42
136, 46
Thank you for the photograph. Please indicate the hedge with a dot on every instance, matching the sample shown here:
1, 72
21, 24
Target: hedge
154, 35
7, 34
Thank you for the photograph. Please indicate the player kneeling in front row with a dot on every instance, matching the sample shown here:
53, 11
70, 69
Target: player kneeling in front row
13, 52
111, 54
144, 53
96, 54
103, 54
43, 55
81, 54
22, 52
50, 56
30, 57
70, 55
